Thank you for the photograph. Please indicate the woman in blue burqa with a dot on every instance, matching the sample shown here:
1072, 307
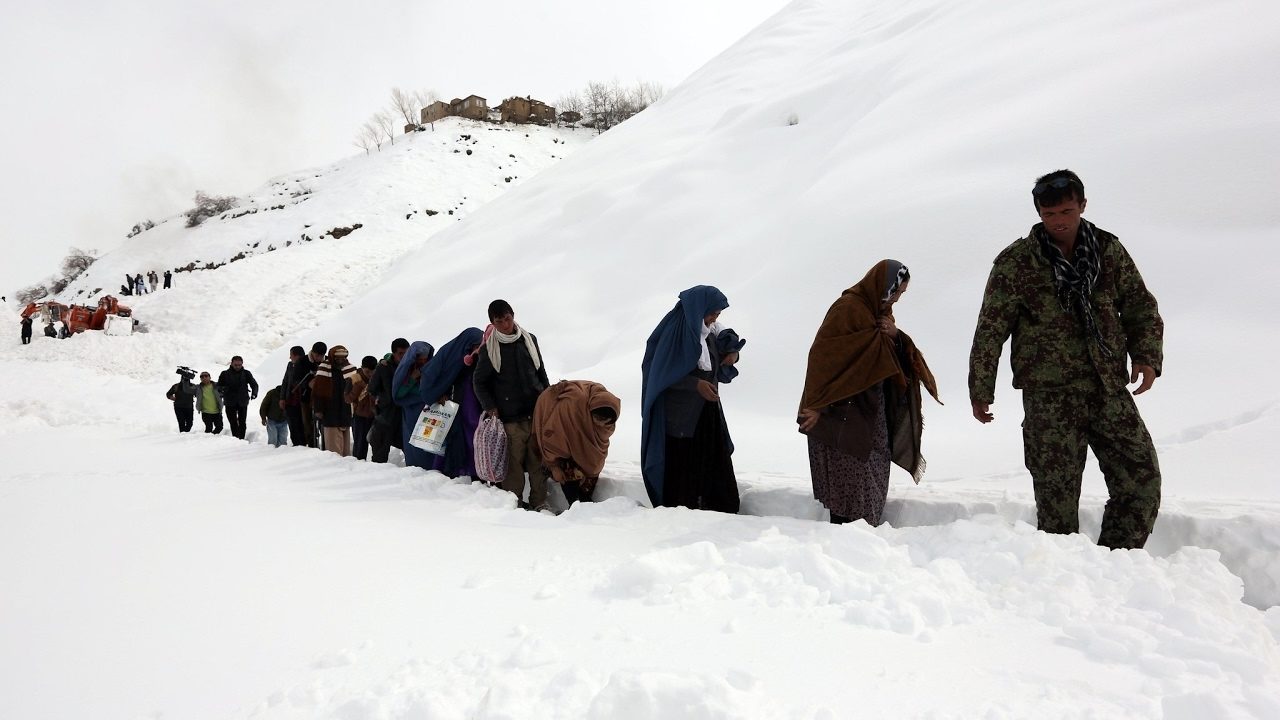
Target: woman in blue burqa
685, 449
448, 377
407, 391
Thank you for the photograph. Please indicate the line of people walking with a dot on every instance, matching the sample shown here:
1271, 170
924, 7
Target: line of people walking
1068, 294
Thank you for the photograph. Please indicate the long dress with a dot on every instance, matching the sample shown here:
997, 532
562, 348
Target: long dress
853, 488
459, 450
699, 469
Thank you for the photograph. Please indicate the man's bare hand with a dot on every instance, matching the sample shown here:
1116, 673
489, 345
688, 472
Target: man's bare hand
1148, 374
808, 420
982, 412
886, 326
707, 391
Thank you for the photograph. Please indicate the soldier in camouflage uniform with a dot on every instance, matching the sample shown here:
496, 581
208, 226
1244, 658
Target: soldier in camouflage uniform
1075, 304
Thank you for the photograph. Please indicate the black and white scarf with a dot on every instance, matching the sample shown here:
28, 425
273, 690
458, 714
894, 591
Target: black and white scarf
1074, 279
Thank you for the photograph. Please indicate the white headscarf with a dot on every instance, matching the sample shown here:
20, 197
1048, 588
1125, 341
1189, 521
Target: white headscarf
491, 347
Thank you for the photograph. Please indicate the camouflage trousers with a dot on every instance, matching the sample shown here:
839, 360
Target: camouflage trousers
1058, 427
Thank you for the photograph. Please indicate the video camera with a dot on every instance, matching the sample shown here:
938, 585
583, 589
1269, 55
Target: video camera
186, 372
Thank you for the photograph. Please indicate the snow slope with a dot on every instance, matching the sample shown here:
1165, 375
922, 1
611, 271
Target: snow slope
148, 574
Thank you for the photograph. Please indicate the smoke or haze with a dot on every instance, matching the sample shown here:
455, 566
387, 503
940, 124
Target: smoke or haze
119, 112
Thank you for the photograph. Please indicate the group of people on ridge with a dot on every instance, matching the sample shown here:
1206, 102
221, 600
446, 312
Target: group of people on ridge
1068, 294
141, 284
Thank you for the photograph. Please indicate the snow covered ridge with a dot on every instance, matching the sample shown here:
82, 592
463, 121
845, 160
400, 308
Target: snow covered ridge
425, 180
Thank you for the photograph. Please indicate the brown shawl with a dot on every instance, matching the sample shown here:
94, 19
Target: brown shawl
564, 429
849, 356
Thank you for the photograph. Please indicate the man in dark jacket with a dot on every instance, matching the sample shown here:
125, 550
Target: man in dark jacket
1077, 308
273, 417
386, 417
50, 331
237, 387
297, 379
183, 396
168, 279
26, 330
508, 379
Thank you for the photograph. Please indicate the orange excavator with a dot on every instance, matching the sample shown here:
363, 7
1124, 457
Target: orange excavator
110, 315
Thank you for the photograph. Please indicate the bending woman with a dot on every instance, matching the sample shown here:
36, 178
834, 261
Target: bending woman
448, 377
407, 390
861, 403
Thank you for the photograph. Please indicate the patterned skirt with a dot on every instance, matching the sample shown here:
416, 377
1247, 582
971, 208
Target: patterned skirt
847, 486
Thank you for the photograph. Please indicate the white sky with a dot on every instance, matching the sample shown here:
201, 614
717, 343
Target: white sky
116, 112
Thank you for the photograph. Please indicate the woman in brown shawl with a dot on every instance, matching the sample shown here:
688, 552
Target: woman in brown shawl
861, 404
572, 423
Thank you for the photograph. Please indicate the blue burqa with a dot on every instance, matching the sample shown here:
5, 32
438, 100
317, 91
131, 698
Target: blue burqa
671, 353
408, 394
438, 379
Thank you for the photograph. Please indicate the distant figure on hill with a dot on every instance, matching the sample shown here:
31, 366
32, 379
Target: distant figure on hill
509, 377
139, 285
274, 418
861, 403
386, 413
153, 279
26, 330
168, 279
686, 455
238, 387
1077, 308
209, 402
183, 396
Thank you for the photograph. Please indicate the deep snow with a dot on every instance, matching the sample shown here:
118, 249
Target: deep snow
194, 576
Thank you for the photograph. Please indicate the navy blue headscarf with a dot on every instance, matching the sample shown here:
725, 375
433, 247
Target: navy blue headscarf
671, 352
442, 372
412, 400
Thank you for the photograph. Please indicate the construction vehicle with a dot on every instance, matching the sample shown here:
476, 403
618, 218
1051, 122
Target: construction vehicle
110, 315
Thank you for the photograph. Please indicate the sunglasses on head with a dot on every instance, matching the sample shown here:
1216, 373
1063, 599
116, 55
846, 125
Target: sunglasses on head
1061, 183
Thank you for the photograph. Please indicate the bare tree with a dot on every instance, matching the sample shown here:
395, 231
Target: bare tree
385, 124
405, 105
426, 98
367, 138
572, 102
34, 293
76, 262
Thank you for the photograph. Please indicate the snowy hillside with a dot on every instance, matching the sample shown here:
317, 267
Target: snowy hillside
152, 574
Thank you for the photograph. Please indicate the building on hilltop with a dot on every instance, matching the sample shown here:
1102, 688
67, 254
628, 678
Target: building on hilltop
435, 111
526, 110
472, 106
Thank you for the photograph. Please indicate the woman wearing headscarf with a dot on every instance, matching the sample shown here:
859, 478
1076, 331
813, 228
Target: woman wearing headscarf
685, 449
861, 402
572, 423
448, 377
407, 392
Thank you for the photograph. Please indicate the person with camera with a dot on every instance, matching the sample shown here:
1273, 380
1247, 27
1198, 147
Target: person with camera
183, 396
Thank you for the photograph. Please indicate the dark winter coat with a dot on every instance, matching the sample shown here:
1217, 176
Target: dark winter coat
515, 390
236, 386
183, 394
386, 411
297, 381
26, 327
269, 408
332, 402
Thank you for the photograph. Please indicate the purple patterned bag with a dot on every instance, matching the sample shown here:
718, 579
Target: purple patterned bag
491, 450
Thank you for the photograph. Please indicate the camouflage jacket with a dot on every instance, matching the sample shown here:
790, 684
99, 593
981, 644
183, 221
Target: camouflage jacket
1051, 349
